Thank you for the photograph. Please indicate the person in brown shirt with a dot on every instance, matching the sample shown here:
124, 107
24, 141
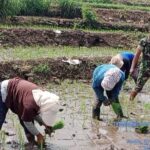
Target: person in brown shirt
30, 103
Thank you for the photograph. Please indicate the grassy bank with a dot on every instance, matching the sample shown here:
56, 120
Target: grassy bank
24, 53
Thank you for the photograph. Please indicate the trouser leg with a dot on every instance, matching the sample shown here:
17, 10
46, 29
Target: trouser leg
117, 108
96, 109
115, 104
3, 111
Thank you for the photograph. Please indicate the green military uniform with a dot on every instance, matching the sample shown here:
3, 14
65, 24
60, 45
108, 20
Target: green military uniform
144, 72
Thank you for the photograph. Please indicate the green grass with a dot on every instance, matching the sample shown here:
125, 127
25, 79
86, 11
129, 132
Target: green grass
24, 53
118, 6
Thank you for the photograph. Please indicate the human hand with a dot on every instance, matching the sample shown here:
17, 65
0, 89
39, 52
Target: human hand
132, 95
131, 71
106, 102
49, 130
40, 139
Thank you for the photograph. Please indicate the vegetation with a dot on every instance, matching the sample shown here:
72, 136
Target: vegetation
69, 8
9, 7
24, 53
41, 68
35, 7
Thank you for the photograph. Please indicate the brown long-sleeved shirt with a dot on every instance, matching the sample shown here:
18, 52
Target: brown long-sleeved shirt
20, 99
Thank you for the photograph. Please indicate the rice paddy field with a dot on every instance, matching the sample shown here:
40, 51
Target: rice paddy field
38, 37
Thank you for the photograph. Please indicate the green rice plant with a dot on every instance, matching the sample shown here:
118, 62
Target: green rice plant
20, 135
2, 138
99, 1
69, 8
41, 68
35, 7
89, 17
58, 125
147, 106
9, 8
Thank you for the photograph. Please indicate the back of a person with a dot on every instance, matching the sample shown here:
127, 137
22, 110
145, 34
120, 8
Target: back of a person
127, 55
20, 97
99, 72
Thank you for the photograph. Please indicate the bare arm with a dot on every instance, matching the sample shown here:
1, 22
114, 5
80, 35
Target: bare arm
135, 59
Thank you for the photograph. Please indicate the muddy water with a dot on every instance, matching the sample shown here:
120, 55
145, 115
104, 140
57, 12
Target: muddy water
80, 131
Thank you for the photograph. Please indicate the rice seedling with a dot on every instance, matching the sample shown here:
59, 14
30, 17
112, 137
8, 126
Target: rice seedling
2, 139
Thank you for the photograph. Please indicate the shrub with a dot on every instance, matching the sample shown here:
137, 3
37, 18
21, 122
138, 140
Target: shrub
69, 9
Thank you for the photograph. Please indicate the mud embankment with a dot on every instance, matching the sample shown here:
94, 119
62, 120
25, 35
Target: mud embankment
51, 68
122, 16
76, 23
31, 37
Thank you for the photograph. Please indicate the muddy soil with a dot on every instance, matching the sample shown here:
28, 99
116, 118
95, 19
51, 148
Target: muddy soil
74, 23
29, 37
80, 131
121, 16
137, 2
51, 69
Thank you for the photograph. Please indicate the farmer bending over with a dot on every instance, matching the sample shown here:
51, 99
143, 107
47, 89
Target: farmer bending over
124, 62
30, 103
107, 78
144, 71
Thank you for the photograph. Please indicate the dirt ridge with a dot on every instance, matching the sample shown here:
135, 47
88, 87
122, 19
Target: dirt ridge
49, 68
31, 37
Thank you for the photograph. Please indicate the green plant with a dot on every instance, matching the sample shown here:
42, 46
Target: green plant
69, 8
9, 7
141, 129
58, 125
88, 14
35, 7
99, 1
41, 68
147, 106
89, 17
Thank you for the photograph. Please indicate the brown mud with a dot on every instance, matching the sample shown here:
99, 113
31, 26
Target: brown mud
30, 37
51, 69
122, 16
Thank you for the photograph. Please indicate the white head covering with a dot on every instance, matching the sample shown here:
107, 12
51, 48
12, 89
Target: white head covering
111, 78
49, 105
117, 60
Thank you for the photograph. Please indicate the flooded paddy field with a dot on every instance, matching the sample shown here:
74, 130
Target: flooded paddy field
81, 131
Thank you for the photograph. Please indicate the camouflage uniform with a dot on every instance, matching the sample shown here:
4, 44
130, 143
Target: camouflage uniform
144, 71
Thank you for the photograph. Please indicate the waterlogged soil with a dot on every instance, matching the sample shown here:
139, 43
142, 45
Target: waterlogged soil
80, 131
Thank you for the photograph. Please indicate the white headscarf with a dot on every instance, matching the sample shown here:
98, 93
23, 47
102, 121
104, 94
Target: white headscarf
49, 105
111, 78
